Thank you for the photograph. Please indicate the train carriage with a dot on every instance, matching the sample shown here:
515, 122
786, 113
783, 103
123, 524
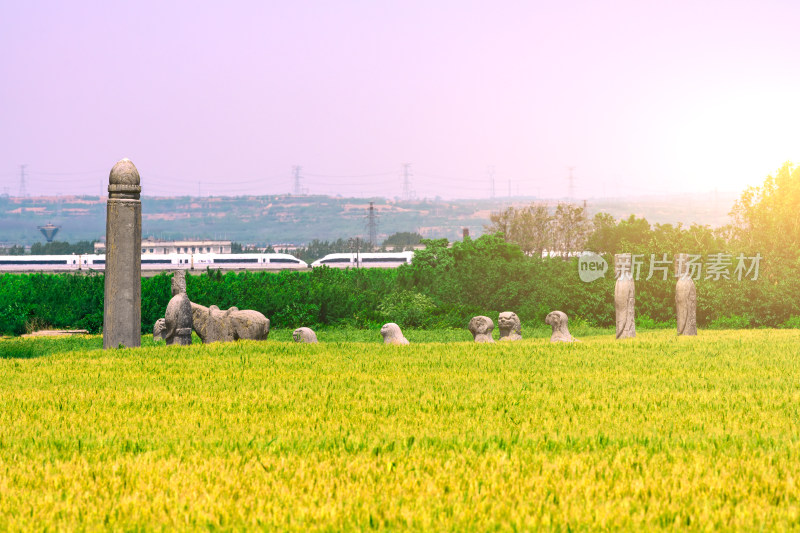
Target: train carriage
152, 262
365, 260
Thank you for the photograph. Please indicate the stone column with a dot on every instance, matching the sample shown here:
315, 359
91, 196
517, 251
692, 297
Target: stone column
685, 297
624, 297
122, 311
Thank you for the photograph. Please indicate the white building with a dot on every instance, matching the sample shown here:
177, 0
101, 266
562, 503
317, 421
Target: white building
152, 246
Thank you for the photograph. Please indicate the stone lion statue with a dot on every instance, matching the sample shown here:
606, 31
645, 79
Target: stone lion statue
305, 335
214, 325
392, 335
558, 320
510, 327
481, 328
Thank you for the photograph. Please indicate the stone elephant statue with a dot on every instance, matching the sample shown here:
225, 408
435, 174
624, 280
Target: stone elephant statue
214, 325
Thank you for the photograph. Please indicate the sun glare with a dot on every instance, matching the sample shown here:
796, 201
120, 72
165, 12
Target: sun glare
738, 139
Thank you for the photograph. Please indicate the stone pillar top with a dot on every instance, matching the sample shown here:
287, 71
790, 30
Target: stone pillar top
123, 181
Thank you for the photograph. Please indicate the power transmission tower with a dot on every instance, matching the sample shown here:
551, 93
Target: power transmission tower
408, 193
372, 225
23, 191
571, 180
298, 190
491, 180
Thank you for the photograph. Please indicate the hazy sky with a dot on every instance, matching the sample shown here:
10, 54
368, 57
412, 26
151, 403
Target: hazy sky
226, 97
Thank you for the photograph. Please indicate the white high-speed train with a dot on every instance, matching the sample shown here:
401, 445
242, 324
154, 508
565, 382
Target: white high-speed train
59, 263
365, 260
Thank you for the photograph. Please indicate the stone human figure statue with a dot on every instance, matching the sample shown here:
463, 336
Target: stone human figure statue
624, 297
510, 326
392, 335
305, 335
685, 297
481, 328
558, 321
178, 317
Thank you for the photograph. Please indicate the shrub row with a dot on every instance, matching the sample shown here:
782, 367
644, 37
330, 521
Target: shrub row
444, 287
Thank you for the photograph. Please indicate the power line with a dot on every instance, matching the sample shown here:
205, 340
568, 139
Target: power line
350, 175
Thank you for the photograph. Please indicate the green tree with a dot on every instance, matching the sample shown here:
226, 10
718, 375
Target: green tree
530, 227
610, 237
62, 248
402, 239
766, 219
13, 250
571, 228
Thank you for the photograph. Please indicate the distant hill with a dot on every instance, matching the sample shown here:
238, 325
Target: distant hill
299, 219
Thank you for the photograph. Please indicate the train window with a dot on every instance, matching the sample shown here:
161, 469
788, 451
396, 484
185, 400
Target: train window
335, 260
282, 260
236, 260
34, 262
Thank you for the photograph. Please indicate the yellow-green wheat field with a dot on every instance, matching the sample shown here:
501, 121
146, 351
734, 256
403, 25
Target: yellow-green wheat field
657, 432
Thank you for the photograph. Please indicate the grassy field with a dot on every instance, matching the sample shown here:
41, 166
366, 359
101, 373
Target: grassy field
655, 432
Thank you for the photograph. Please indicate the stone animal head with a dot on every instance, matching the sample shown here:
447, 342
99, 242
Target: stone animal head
158, 329
481, 328
178, 282
304, 335
509, 323
558, 320
392, 335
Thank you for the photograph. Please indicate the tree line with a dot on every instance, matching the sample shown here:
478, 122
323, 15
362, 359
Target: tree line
52, 248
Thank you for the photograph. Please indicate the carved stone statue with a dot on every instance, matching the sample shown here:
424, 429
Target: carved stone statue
510, 326
392, 335
624, 297
178, 317
558, 321
685, 297
481, 328
158, 330
306, 335
213, 325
